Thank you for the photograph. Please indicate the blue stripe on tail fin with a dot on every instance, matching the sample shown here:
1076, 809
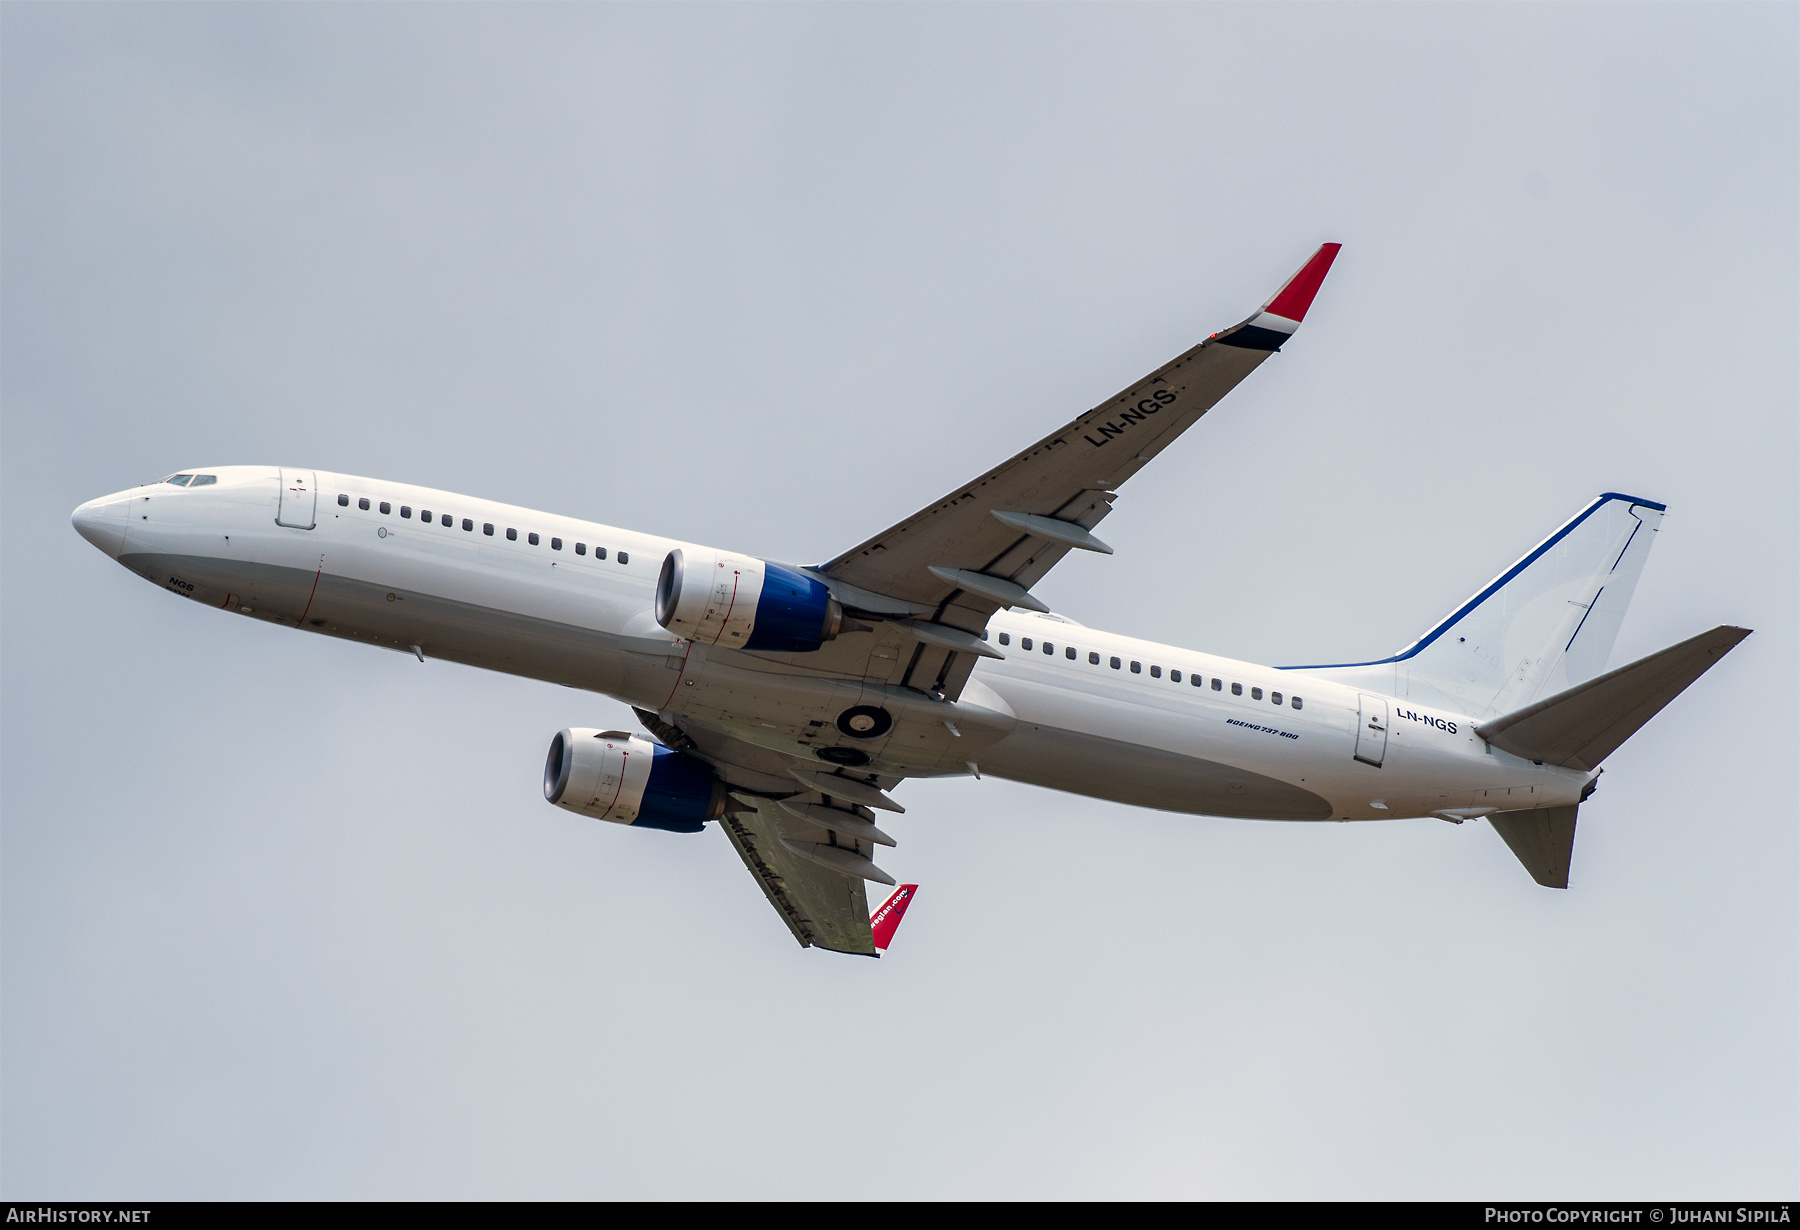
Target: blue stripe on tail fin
1544, 624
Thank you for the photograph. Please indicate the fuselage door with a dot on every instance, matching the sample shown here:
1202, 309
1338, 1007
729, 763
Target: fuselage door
1371, 729
299, 500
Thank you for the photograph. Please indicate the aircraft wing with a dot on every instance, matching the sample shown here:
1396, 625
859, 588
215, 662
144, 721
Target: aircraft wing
806, 830
982, 546
800, 831
822, 907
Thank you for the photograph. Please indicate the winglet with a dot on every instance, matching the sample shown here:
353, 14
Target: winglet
1292, 300
1282, 314
886, 919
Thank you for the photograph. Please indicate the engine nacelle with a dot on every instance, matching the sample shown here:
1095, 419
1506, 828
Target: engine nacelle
742, 603
611, 775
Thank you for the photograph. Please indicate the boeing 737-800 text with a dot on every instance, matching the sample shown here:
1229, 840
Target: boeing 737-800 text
785, 702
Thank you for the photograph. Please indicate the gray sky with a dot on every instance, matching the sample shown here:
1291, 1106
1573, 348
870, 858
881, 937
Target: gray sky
772, 278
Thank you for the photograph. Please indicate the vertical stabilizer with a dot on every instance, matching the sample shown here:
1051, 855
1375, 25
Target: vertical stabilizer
1543, 625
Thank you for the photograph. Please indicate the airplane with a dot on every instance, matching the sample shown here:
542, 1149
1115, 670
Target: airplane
786, 702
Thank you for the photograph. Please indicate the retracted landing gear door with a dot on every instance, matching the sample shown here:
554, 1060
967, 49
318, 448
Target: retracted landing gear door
1371, 729
299, 500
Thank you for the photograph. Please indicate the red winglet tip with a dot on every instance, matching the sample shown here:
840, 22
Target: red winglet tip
1292, 300
886, 919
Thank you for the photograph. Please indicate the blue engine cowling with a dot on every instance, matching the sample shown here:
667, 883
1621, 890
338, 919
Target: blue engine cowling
744, 603
611, 775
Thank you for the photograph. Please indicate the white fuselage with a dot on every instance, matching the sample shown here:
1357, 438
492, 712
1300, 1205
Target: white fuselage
1156, 730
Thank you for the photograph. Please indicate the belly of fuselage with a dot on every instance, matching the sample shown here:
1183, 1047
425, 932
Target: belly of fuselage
444, 629
1143, 776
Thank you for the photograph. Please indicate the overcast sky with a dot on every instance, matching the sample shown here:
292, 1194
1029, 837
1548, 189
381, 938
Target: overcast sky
773, 277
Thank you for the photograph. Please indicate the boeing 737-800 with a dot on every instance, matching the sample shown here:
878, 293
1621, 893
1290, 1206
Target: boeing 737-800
785, 702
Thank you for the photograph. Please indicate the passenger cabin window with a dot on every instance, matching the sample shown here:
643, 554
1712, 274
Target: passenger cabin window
1275, 697
1217, 684
1296, 703
1069, 653
532, 538
425, 515
1174, 676
363, 503
1156, 672
469, 526
406, 511
599, 552
446, 521
1093, 659
556, 544
1024, 642
487, 527
1237, 689
1006, 638
1116, 663
512, 535
581, 548
623, 558
343, 500
1137, 668
1255, 693
1197, 680
1049, 649
386, 508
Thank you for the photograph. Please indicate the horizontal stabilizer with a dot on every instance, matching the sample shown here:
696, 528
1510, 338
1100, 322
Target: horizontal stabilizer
1543, 839
1584, 725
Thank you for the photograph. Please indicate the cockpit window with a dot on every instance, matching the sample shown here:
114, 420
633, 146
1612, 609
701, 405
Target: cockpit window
180, 480
204, 480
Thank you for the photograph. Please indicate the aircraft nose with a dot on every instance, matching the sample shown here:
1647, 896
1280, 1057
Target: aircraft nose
102, 522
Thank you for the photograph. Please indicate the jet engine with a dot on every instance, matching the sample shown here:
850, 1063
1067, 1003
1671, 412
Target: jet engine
611, 775
742, 603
